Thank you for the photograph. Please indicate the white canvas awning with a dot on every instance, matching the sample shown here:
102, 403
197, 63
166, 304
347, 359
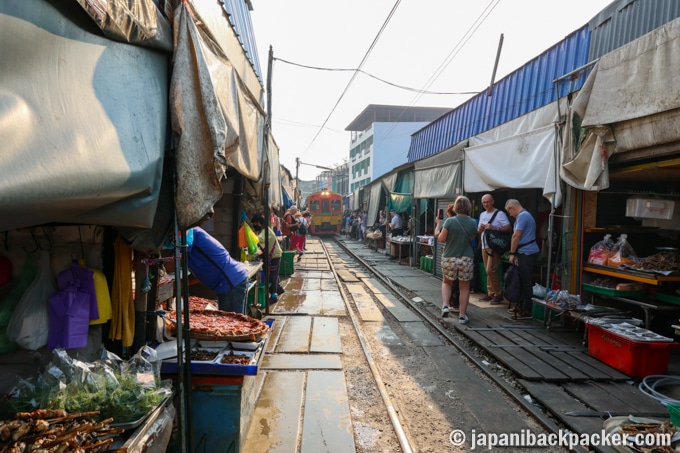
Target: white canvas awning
440, 176
524, 161
631, 100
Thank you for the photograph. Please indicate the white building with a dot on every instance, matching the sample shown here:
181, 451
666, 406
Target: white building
381, 136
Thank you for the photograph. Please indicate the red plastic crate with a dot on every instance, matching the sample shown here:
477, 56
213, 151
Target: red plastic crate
634, 358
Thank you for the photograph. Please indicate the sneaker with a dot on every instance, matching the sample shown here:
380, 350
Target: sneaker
445, 311
463, 319
512, 310
486, 298
498, 300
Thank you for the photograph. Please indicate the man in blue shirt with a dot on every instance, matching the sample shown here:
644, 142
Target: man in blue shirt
523, 254
396, 224
211, 263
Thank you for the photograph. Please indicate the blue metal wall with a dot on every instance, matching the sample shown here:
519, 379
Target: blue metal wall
239, 16
531, 86
522, 91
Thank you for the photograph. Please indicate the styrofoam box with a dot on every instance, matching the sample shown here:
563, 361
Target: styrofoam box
650, 208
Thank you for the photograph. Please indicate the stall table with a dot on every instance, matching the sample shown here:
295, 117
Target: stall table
400, 249
223, 399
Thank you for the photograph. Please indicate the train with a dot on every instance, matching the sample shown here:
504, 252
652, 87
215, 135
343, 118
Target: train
326, 210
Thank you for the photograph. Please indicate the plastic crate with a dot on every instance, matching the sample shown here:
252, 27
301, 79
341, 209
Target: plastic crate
613, 292
538, 312
426, 263
287, 266
634, 358
674, 412
261, 296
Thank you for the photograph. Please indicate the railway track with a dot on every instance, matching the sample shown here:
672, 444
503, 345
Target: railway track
493, 394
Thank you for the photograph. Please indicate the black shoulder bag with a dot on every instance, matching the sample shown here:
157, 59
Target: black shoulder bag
498, 241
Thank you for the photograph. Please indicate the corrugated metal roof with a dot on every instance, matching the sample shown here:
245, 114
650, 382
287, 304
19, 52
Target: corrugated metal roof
626, 20
239, 16
522, 91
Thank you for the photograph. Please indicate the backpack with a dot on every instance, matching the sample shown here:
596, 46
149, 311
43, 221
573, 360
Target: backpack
512, 288
302, 228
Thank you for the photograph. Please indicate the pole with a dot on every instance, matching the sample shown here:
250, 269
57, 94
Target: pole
267, 182
297, 180
495, 65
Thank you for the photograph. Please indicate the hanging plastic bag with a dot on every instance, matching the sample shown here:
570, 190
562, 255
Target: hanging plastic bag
9, 303
242, 237
252, 239
69, 318
81, 277
601, 251
29, 324
624, 253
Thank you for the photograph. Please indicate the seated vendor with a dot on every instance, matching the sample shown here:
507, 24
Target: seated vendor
211, 263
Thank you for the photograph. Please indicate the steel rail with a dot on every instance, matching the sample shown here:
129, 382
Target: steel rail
377, 377
541, 417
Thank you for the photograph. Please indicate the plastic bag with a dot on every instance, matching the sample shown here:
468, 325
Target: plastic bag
242, 237
540, 291
601, 251
69, 318
29, 324
252, 239
623, 254
9, 303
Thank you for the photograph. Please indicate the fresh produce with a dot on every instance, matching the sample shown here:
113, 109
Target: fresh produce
122, 391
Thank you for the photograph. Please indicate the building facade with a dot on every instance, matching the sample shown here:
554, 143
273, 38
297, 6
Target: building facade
381, 136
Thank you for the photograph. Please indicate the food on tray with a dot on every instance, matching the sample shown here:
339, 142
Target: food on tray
203, 355
235, 359
662, 261
220, 325
200, 303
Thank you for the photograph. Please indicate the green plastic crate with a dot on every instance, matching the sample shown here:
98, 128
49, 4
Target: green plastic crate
538, 312
261, 295
287, 266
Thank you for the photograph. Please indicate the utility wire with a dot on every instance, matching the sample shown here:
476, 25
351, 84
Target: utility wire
449, 58
363, 60
372, 76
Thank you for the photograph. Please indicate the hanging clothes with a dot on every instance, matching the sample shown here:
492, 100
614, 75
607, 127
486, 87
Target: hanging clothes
122, 302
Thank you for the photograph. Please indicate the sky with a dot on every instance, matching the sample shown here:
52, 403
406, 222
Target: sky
447, 47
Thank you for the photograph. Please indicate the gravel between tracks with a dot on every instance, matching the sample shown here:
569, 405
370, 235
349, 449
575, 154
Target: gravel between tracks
426, 402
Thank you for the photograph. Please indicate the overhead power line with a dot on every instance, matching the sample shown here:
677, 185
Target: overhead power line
374, 77
363, 60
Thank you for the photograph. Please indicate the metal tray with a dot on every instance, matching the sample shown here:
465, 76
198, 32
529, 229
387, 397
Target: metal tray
220, 369
138, 422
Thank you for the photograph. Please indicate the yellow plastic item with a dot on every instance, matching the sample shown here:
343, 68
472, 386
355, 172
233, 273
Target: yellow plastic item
101, 288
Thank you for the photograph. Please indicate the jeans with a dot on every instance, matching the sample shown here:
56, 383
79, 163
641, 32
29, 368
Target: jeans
234, 300
274, 265
526, 265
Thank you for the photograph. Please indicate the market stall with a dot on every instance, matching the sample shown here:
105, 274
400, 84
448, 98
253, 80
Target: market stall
225, 353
